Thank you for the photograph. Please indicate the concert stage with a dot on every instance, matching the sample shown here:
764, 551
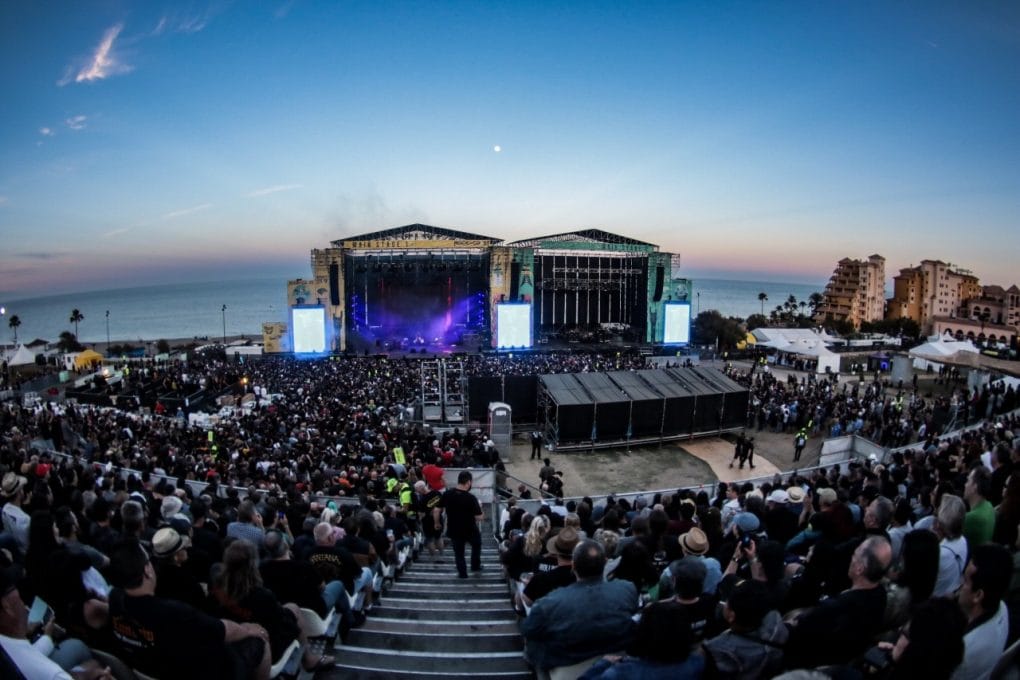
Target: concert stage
420, 287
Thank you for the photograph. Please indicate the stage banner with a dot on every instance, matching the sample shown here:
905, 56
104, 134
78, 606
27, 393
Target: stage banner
526, 282
328, 272
499, 284
375, 244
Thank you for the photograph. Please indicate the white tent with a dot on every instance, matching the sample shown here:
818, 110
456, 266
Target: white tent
935, 352
23, 357
828, 361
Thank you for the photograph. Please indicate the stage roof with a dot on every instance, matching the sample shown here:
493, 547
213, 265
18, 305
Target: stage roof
601, 388
593, 237
564, 389
414, 232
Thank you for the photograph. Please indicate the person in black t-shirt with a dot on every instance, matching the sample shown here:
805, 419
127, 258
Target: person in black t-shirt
544, 582
173, 639
429, 504
463, 513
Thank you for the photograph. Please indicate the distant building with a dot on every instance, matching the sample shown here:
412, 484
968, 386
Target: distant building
992, 317
933, 289
855, 292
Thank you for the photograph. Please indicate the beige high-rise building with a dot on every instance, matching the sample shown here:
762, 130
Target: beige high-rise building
930, 290
855, 292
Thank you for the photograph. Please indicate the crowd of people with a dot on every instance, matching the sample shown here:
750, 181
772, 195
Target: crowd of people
198, 542
905, 569
892, 415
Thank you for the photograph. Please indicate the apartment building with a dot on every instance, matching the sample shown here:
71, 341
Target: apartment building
855, 292
933, 289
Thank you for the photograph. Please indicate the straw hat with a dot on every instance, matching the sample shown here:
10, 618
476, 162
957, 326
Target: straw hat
694, 542
167, 542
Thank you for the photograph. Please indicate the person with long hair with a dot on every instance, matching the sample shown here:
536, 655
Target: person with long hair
636, 566
913, 581
238, 594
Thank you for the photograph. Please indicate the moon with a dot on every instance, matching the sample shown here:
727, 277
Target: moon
497, 148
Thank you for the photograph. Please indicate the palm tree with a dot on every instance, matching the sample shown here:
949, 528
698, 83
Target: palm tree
14, 322
814, 300
76, 318
762, 297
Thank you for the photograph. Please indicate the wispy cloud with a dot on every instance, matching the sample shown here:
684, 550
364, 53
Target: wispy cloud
180, 22
102, 63
186, 211
76, 122
46, 132
4, 200
274, 189
116, 232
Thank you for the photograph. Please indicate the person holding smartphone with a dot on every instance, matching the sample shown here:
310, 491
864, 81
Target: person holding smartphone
41, 659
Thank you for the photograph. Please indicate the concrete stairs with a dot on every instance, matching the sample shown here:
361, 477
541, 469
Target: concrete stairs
432, 624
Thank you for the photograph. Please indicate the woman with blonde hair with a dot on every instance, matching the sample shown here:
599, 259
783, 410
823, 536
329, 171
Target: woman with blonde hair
534, 540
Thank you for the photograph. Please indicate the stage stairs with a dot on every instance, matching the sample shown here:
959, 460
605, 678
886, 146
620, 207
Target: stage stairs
432, 624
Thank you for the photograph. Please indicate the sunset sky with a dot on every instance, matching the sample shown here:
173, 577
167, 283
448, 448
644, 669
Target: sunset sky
142, 143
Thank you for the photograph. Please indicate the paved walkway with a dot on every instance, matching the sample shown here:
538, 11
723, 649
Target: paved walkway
718, 453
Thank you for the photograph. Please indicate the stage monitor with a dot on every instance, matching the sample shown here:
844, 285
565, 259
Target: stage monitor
309, 328
678, 323
513, 325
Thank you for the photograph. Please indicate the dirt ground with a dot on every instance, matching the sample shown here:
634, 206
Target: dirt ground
674, 464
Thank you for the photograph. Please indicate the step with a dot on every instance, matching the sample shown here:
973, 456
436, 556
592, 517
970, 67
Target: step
400, 626
477, 582
429, 640
386, 661
471, 612
427, 578
447, 594
349, 672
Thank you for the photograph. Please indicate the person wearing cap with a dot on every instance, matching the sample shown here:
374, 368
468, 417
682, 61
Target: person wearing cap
781, 523
174, 581
587, 618
16, 521
561, 545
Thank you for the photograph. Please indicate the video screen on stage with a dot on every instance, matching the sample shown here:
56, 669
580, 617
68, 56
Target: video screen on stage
309, 329
513, 325
678, 324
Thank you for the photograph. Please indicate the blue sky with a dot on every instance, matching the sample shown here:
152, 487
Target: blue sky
143, 143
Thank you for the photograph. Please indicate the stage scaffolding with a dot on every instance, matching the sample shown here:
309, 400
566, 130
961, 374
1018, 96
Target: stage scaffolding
588, 289
444, 396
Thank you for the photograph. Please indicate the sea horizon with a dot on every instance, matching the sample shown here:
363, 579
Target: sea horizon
195, 310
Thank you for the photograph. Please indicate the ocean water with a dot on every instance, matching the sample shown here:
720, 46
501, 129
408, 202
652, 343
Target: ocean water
740, 298
195, 309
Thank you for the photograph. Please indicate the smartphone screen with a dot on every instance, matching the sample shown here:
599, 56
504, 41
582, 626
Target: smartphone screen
40, 611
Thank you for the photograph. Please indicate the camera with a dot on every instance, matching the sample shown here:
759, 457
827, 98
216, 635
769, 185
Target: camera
746, 540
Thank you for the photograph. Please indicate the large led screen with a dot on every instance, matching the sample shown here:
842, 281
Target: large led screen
513, 325
678, 324
309, 324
